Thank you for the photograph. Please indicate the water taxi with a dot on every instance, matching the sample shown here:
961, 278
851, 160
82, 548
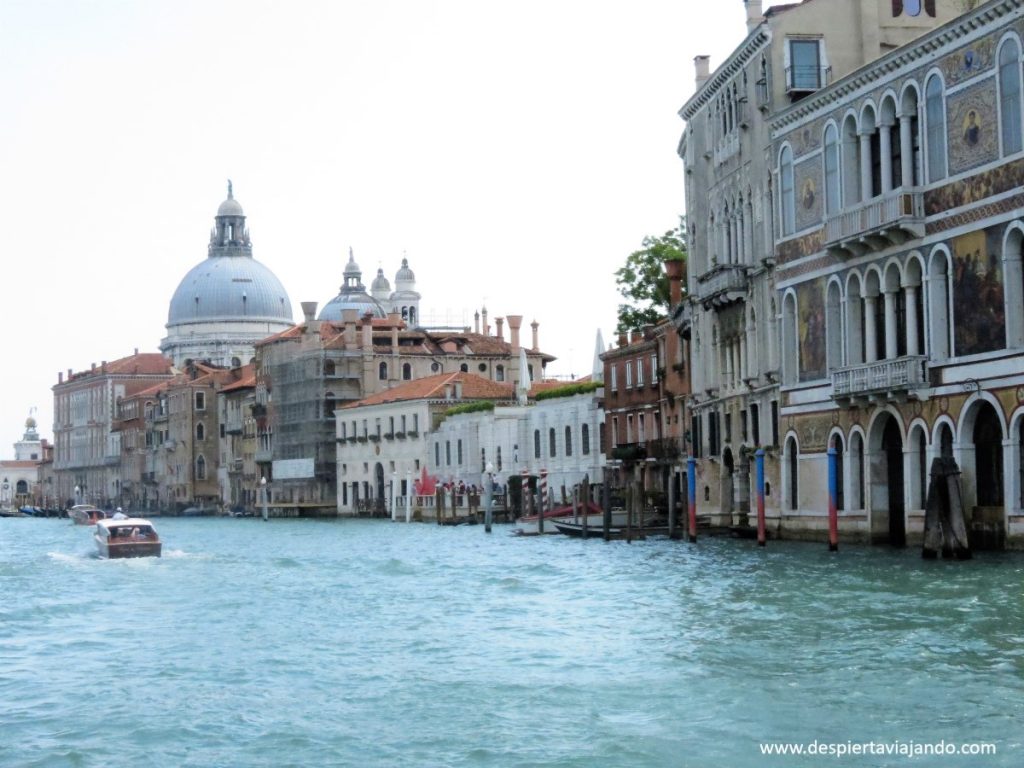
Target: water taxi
86, 514
130, 537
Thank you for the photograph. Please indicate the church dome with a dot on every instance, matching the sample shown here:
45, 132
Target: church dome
380, 289
230, 207
229, 288
405, 275
353, 295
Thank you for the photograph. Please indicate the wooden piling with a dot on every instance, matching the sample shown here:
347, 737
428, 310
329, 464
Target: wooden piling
833, 494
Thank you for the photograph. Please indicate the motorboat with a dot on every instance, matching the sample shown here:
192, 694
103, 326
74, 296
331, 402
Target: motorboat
86, 514
130, 537
528, 525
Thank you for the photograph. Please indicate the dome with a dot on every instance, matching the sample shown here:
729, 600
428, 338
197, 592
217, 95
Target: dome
362, 303
230, 207
380, 288
405, 275
229, 288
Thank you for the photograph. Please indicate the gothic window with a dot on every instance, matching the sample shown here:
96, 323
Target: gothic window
1010, 96
585, 439
551, 442
200, 468
536, 443
200, 431
406, 371
935, 117
788, 192
382, 372
832, 184
568, 441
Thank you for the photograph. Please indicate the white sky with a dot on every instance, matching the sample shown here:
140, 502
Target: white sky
516, 151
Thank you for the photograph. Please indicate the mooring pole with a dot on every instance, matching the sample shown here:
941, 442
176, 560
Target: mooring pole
673, 533
833, 496
759, 458
543, 500
488, 497
691, 496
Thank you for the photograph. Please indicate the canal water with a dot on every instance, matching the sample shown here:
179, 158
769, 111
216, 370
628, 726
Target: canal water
368, 643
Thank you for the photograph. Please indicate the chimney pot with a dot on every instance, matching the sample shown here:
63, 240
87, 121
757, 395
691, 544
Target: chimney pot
536, 344
499, 323
309, 311
754, 15
702, 64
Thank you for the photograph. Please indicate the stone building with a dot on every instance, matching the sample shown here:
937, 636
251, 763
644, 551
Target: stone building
87, 448
305, 373
732, 309
227, 302
20, 480
900, 284
236, 473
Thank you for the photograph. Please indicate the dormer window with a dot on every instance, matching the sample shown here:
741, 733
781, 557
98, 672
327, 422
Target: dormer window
806, 68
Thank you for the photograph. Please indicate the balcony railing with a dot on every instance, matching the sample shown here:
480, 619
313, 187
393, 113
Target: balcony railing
877, 224
724, 284
886, 378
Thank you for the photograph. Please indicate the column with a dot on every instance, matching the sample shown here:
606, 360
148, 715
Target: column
906, 152
865, 167
891, 342
885, 148
871, 342
912, 320
744, 363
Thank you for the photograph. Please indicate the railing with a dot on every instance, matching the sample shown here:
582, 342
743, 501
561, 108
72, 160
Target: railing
805, 78
264, 456
890, 220
899, 374
721, 280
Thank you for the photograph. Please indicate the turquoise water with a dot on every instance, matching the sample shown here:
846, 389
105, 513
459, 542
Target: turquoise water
368, 643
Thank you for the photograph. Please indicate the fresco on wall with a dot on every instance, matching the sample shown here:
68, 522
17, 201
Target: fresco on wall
975, 188
806, 139
810, 307
799, 247
972, 127
979, 321
969, 61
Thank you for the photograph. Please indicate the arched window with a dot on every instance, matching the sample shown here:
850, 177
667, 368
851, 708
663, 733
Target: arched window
832, 182
789, 339
499, 373
382, 372
939, 289
794, 474
935, 116
568, 441
1009, 96
551, 442
406, 371
585, 439
200, 431
788, 191
200, 468
833, 328
464, 368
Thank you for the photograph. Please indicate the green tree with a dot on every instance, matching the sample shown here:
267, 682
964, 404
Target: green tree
642, 280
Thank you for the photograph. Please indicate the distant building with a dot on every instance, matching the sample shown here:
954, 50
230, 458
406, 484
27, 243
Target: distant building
20, 481
87, 448
227, 302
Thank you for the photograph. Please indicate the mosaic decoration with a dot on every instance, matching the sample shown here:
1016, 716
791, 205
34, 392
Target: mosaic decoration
812, 431
807, 177
979, 322
972, 126
1006, 177
810, 307
798, 247
968, 62
807, 139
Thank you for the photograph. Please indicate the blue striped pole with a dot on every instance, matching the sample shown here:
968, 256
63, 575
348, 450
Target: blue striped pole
761, 534
691, 496
833, 496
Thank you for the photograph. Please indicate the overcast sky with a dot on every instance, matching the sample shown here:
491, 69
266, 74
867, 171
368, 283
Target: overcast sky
516, 152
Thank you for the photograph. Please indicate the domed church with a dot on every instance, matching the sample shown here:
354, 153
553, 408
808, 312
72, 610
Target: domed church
381, 300
227, 302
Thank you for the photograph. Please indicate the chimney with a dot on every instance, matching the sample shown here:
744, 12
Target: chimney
349, 317
754, 16
60, 377
136, 352
103, 366
476, 321
486, 330
515, 322
69, 374
623, 339
675, 268
308, 311
703, 65
368, 332
395, 319
93, 368
499, 323
536, 345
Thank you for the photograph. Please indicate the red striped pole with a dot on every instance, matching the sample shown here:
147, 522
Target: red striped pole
543, 490
759, 459
833, 492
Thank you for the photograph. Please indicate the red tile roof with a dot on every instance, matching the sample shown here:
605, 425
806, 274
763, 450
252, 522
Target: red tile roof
433, 388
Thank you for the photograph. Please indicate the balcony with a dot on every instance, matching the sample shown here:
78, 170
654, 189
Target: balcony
629, 452
724, 284
876, 225
898, 379
264, 456
682, 318
233, 426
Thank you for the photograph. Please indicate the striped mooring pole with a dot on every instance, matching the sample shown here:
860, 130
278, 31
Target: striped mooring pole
833, 494
543, 490
761, 534
691, 496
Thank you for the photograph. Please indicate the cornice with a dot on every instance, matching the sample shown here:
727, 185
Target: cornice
754, 43
898, 60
